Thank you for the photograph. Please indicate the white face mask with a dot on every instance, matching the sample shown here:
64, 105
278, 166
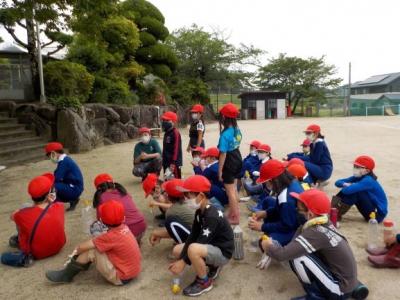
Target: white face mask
145, 138
195, 116
253, 152
357, 172
193, 204
53, 157
262, 155
196, 158
310, 137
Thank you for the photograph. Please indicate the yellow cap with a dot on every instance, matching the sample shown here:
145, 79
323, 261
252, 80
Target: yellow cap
372, 215
175, 289
264, 237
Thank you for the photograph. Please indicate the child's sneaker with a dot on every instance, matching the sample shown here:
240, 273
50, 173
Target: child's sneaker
198, 287
213, 272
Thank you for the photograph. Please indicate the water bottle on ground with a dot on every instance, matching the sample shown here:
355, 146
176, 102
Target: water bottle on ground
176, 285
373, 233
334, 216
388, 229
87, 216
238, 253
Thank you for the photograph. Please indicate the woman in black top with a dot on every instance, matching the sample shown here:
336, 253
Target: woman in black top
197, 128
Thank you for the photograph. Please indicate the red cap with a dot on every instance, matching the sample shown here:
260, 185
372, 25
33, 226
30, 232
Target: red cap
264, 147
313, 128
305, 143
102, 178
198, 149
211, 152
169, 116
149, 183
295, 161
144, 130
315, 200
41, 185
365, 162
112, 212
255, 143
270, 170
388, 223
298, 171
197, 108
196, 184
229, 110
170, 187
54, 146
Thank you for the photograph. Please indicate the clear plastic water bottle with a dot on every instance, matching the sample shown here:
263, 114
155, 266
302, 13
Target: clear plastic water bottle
254, 238
373, 232
176, 285
238, 253
247, 177
87, 216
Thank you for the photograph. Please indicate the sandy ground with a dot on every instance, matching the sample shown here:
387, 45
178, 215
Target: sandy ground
347, 138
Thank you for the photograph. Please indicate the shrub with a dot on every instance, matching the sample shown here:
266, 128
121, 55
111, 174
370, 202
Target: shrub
65, 102
67, 82
114, 90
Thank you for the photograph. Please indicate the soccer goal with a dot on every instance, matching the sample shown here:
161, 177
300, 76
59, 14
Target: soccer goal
383, 110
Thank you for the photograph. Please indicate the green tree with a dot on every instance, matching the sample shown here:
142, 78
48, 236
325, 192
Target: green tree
53, 17
106, 42
157, 57
206, 59
300, 78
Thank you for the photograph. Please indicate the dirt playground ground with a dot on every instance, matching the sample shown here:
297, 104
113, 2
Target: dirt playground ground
347, 138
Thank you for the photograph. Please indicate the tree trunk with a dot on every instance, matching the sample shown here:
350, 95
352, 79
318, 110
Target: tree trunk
295, 102
33, 56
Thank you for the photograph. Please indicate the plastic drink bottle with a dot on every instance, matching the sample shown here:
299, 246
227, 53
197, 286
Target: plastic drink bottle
254, 238
373, 232
176, 285
87, 217
238, 253
333, 216
388, 229
247, 177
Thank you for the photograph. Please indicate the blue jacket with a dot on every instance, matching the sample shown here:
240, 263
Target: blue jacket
320, 156
285, 212
368, 185
251, 163
217, 187
295, 155
68, 172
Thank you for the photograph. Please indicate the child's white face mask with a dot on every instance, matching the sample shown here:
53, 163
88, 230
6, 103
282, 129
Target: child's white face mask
262, 155
310, 136
358, 172
145, 138
195, 116
192, 203
196, 158
253, 152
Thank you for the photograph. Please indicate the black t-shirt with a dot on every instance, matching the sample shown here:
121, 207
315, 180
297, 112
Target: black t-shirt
195, 127
210, 227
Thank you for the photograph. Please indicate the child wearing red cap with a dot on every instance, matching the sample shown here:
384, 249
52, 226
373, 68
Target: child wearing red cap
210, 243
230, 159
198, 161
47, 217
318, 163
68, 176
279, 212
152, 186
115, 253
146, 155
179, 216
251, 162
318, 254
172, 145
305, 146
362, 190
197, 128
107, 189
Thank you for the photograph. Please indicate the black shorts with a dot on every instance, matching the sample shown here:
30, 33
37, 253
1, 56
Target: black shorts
232, 167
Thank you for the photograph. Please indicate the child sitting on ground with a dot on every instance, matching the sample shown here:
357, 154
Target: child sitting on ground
198, 162
251, 162
362, 190
40, 227
152, 186
179, 217
320, 256
210, 243
305, 146
107, 189
115, 253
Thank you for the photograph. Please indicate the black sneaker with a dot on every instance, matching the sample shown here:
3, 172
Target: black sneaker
360, 292
198, 287
213, 272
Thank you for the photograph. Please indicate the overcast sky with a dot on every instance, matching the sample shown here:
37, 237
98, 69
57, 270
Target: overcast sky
365, 32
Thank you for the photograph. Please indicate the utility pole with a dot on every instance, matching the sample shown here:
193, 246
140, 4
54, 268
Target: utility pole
347, 112
40, 63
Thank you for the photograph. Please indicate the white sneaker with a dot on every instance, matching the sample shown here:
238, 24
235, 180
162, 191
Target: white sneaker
244, 199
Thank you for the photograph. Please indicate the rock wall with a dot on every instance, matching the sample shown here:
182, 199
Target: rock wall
94, 124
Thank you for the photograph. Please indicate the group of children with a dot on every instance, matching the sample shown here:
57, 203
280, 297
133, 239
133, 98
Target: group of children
290, 209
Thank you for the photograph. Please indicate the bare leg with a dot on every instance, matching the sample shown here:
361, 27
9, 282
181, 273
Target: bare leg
177, 250
233, 197
197, 253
